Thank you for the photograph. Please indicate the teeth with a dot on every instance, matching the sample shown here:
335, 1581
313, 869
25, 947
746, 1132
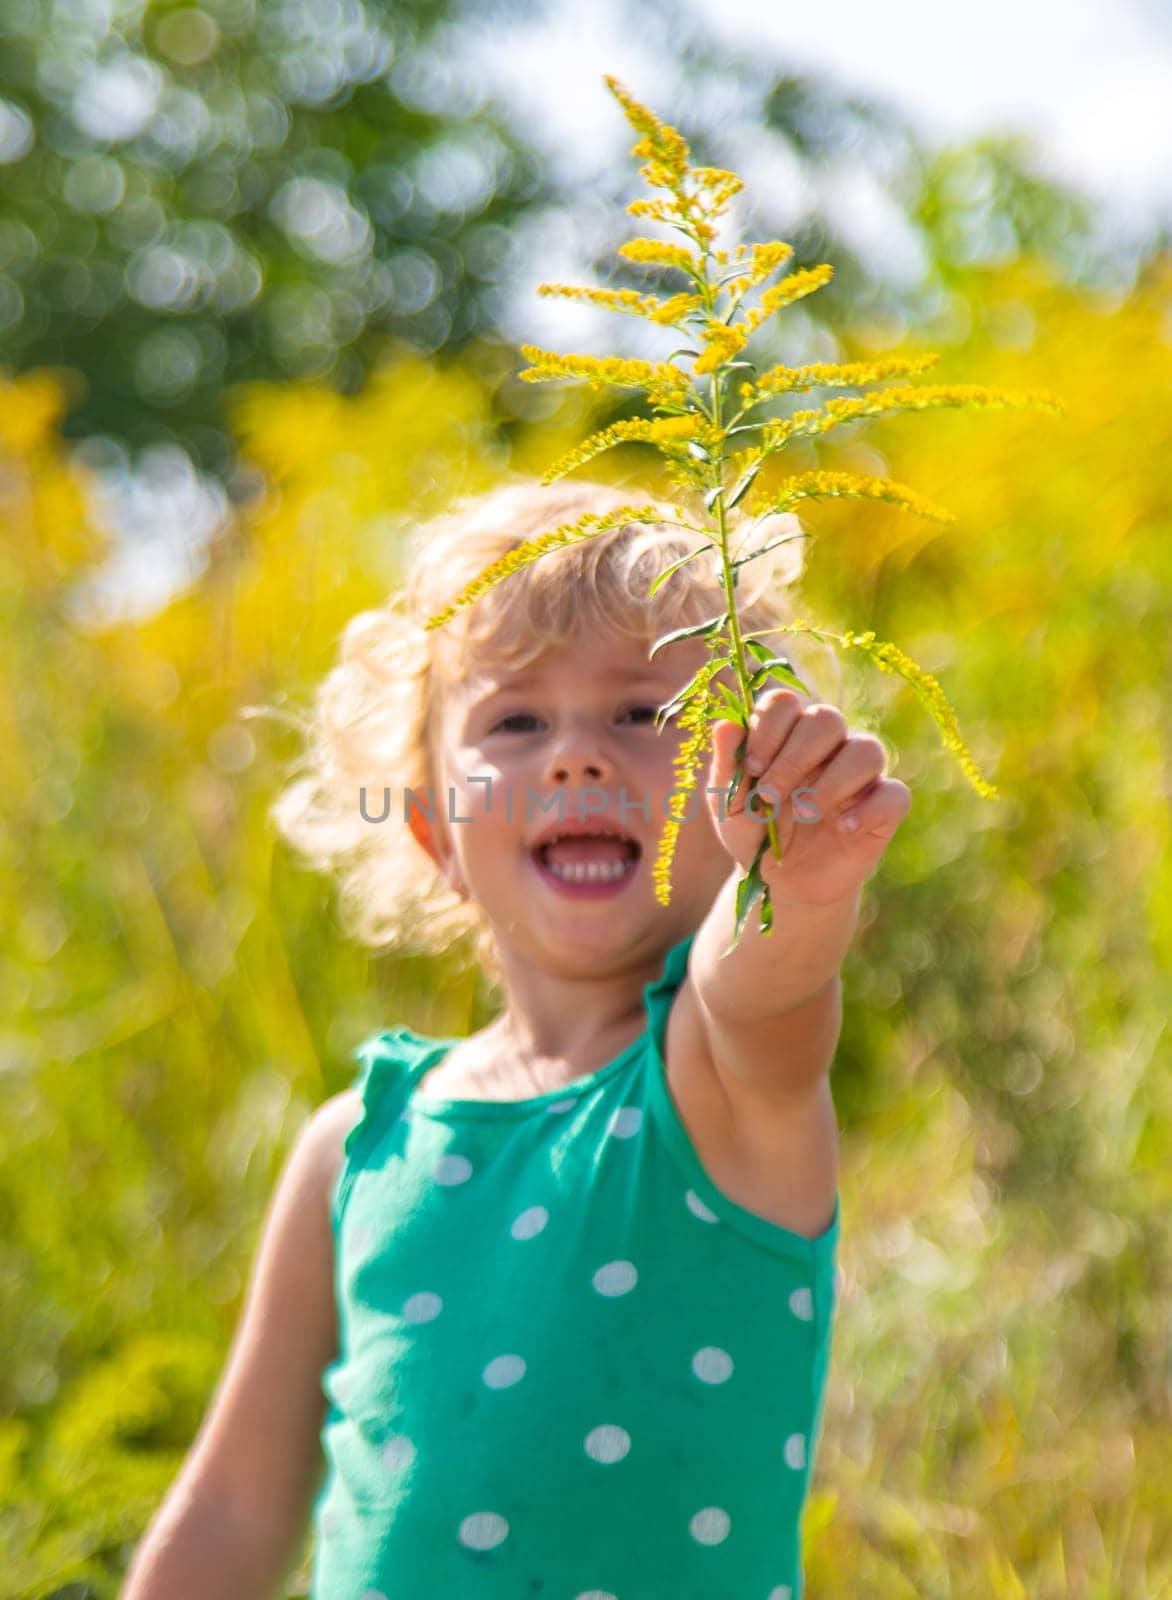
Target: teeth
592, 872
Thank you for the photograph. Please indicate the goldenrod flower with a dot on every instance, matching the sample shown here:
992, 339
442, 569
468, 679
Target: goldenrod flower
761, 260
890, 658
669, 311
784, 380
654, 430
722, 341
697, 715
795, 287
586, 527
806, 424
658, 252
610, 369
829, 485
672, 311
660, 141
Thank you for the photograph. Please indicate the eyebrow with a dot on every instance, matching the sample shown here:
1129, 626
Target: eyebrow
648, 673
524, 680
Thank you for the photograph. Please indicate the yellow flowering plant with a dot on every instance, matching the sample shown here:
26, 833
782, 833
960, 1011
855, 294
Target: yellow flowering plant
695, 426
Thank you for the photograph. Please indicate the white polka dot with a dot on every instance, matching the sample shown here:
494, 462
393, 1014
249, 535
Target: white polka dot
398, 1452
372, 1594
801, 1303
342, 1384
697, 1207
529, 1223
709, 1526
561, 1105
361, 1236
422, 1307
607, 1443
626, 1122
617, 1277
712, 1364
795, 1451
504, 1371
595, 1594
782, 1592
331, 1522
452, 1169
483, 1530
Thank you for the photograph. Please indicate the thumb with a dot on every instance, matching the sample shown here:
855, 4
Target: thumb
726, 737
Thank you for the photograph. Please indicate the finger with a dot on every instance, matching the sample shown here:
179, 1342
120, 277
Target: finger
773, 719
879, 813
818, 735
726, 736
849, 773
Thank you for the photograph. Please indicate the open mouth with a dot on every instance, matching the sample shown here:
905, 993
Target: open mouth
589, 858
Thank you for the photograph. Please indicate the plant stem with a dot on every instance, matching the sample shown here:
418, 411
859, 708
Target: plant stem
730, 592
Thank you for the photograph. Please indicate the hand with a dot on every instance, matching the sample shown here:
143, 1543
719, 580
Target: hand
809, 748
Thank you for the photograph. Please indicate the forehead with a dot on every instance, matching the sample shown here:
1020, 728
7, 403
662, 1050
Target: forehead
606, 661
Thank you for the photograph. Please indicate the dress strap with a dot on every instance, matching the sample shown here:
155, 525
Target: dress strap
661, 992
390, 1062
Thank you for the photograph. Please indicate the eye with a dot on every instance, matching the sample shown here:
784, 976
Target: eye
513, 716
650, 710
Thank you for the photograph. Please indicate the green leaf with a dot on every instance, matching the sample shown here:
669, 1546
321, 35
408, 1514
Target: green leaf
778, 667
681, 699
735, 709
712, 496
696, 449
738, 773
749, 890
743, 486
772, 545
675, 567
686, 633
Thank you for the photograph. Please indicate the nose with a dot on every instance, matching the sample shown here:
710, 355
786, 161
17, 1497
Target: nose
577, 755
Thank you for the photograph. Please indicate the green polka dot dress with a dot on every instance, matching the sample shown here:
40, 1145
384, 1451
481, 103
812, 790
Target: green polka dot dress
569, 1368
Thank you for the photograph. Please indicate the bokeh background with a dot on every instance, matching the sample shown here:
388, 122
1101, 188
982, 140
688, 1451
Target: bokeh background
264, 269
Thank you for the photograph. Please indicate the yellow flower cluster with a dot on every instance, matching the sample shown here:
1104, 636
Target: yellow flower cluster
890, 658
666, 148
696, 717
805, 424
722, 342
795, 287
653, 429
668, 311
719, 184
658, 252
766, 258
829, 485
599, 369
784, 380
586, 527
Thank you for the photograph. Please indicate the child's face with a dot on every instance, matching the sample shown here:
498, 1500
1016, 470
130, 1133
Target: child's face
578, 721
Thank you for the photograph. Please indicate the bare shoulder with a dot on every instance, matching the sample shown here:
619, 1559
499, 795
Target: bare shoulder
326, 1131
776, 1157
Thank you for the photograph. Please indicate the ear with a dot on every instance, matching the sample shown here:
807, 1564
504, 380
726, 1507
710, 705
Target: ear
425, 836
423, 832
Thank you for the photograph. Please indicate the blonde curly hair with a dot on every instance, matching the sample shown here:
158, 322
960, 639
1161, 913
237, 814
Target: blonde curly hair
377, 712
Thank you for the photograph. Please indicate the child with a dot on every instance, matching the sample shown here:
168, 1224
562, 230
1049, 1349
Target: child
556, 1299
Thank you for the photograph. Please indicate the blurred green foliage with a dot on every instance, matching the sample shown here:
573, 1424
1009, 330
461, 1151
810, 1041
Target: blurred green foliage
198, 196
178, 998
